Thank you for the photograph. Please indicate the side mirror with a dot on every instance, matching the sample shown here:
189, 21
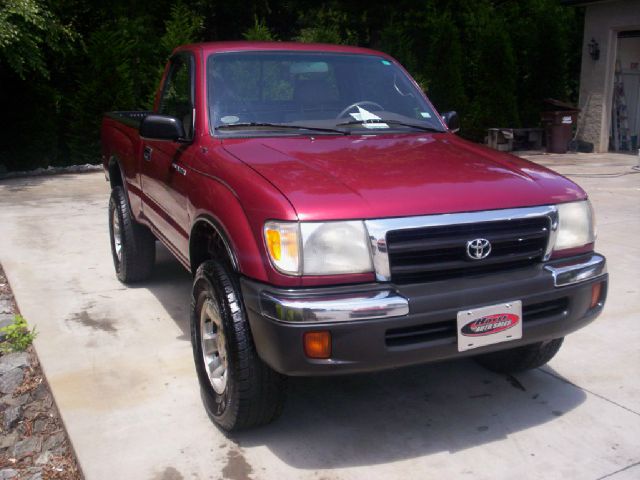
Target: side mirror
161, 127
452, 120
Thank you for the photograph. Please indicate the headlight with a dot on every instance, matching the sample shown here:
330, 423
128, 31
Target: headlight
335, 247
575, 225
318, 248
283, 245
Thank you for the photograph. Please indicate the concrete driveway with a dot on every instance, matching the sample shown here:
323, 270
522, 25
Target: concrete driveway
119, 363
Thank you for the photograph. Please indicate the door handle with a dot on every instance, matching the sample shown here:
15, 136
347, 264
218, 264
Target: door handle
179, 169
147, 153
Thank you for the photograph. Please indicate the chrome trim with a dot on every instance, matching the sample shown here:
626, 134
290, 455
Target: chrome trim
478, 248
379, 228
179, 169
577, 271
334, 308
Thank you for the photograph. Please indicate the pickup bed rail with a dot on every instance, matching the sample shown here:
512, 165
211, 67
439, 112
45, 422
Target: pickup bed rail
130, 118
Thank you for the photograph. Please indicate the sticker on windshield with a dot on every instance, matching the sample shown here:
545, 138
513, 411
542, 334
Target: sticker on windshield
425, 114
229, 119
386, 62
365, 116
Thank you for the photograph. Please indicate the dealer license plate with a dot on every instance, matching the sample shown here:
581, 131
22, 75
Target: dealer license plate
483, 326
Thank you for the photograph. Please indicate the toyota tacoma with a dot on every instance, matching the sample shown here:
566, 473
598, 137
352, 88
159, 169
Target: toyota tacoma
335, 223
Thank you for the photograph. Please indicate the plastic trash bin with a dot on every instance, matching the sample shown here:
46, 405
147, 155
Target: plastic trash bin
558, 120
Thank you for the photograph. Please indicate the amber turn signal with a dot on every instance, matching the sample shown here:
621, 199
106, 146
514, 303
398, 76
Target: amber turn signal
317, 344
596, 290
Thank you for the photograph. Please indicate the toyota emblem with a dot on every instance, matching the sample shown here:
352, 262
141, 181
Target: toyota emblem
478, 248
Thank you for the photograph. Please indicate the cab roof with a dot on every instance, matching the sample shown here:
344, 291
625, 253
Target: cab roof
247, 46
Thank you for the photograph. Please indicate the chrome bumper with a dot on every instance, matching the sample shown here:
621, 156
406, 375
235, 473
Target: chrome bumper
380, 304
577, 270
336, 308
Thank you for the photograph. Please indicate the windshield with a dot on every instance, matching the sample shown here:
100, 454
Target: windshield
312, 93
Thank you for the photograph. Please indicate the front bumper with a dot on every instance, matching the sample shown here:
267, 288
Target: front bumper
382, 325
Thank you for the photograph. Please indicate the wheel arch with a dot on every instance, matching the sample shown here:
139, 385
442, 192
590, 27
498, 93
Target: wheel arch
206, 240
116, 178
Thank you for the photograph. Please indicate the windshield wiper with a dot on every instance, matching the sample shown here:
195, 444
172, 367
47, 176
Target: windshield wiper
389, 122
281, 125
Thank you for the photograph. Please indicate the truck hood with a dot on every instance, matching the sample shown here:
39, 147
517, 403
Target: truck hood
359, 176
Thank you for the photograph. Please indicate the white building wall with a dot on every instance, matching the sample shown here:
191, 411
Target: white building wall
603, 21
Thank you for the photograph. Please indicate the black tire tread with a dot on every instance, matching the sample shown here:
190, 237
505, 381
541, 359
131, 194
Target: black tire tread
138, 243
258, 392
522, 358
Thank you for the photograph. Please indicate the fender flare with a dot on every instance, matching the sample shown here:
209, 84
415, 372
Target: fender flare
221, 232
114, 160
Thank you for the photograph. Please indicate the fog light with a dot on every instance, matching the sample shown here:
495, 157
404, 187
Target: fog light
317, 344
596, 290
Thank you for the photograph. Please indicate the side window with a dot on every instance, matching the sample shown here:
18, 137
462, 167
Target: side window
176, 95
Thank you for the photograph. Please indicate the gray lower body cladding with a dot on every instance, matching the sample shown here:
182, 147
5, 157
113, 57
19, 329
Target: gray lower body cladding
428, 332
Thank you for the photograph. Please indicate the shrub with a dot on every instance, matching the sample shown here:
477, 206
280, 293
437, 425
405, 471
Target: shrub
18, 335
258, 31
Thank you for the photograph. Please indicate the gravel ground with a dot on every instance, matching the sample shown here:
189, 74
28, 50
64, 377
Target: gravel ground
33, 444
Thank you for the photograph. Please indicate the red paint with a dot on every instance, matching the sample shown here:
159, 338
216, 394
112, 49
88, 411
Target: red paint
572, 252
397, 175
241, 183
490, 324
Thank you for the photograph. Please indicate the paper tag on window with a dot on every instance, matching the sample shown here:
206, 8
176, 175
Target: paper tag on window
365, 115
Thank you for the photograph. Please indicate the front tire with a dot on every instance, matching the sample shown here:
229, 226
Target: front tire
238, 389
521, 359
133, 246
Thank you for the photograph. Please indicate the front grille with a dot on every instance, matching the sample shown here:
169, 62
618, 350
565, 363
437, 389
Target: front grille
440, 252
446, 330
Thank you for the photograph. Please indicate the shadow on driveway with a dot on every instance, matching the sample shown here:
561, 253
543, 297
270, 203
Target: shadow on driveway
407, 413
357, 420
171, 285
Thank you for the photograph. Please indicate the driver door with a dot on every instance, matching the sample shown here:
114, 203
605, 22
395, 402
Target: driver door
165, 164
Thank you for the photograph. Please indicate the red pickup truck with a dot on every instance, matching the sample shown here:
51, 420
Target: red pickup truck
334, 223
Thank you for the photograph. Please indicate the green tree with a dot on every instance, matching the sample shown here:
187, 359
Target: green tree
27, 29
259, 31
398, 38
65, 62
544, 52
495, 103
126, 64
183, 26
326, 25
446, 65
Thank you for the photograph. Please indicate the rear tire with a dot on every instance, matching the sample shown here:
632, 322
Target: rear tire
520, 359
238, 389
133, 246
